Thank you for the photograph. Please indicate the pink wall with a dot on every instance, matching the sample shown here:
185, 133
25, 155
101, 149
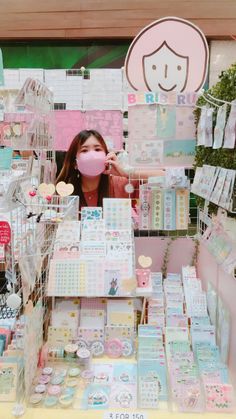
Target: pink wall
208, 270
181, 252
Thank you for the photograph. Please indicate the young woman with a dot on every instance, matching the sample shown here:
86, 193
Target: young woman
94, 172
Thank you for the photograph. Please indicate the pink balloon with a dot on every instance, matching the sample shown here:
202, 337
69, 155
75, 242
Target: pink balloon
91, 163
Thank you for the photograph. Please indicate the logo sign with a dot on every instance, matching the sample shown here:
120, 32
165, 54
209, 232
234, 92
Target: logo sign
170, 54
5, 232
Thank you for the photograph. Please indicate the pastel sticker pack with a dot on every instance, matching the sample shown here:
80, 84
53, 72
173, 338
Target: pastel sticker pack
141, 119
157, 210
169, 135
182, 209
70, 122
169, 210
117, 213
91, 213
166, 125
99, 263
146, 154
163, 209
219, 397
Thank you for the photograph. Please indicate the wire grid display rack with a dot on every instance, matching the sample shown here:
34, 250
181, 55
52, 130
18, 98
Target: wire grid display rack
27, 257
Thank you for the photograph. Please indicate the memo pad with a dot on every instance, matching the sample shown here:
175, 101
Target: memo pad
120, 313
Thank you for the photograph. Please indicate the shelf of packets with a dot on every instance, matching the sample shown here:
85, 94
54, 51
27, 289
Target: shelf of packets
164, 202
95, 257
217, 185
26, 122
178, 365
179, 362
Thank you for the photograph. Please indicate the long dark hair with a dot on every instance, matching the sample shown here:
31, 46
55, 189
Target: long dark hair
69, 172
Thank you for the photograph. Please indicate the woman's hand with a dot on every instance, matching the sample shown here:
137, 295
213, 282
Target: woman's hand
113, 166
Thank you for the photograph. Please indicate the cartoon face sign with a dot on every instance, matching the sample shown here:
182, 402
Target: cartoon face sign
170, 54
165, 70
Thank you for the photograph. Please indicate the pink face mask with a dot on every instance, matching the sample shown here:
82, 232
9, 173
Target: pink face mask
91, 163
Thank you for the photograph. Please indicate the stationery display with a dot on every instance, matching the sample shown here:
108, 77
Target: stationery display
186, 368
224, 131
215, 184
163, 209
101, 261
86, 319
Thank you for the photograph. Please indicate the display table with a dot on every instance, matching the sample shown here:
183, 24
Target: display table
37, 413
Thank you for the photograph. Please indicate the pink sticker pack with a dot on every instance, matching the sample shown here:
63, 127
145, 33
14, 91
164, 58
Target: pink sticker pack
108, 123
69, 123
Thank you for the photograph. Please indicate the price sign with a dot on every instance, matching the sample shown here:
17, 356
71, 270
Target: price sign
5, 232
124, 415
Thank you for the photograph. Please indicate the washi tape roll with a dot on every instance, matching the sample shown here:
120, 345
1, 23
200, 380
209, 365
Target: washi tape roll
50, 401
35, 398
74, 372
40, 388
71, 382
87, 375
66, 400
44, 379
97, 348
57, 379
84, 357
70, 350
47, 370
127, 347
54, 390
114, 348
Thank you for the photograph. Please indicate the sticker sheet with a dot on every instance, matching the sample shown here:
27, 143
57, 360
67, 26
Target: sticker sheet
161, 135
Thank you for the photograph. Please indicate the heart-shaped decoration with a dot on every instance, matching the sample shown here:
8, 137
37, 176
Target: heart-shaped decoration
64, 189
45, 189
145, 261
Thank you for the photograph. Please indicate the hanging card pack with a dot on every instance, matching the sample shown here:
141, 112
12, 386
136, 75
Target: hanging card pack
201, 128
220, 125
230, 128
209, 127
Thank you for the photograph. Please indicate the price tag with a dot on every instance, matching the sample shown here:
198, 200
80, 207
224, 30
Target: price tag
124, 415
